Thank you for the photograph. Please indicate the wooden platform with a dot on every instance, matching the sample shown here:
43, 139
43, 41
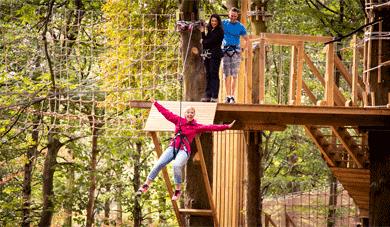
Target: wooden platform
279, 115
204, 114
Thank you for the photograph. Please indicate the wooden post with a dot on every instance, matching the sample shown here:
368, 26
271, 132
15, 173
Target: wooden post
262, 71
380, 53
244, 11
299, 73
206, 180
293, 76
249, 83
329, 76
157, 146
355, 79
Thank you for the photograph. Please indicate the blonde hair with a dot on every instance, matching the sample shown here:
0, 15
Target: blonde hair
189, 108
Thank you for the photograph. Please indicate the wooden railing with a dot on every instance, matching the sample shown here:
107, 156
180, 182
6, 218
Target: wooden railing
332, 94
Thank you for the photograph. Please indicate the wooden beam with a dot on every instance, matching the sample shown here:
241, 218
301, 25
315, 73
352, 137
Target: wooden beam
344, 71
300, 60
253, 126
249, 76
329, 75
206, 180
311, 96
355, 73
303, 115
157, 146
196, 212
262, 59
293, 76
297, 38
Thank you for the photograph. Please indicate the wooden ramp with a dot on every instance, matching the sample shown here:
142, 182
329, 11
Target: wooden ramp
204, 114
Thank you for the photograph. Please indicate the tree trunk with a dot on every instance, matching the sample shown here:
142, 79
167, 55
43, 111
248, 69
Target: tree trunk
253, 191
48, 178
332, 201
92, 176
68, 204
379, 208
118, 199
255, 169
137, 209
231, 3
107, 209
194, 73
377, 83
194, 87
31, 156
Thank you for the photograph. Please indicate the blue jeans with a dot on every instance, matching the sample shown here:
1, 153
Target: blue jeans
178, 163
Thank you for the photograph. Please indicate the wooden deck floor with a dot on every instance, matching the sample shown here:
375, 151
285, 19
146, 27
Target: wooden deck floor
279, 115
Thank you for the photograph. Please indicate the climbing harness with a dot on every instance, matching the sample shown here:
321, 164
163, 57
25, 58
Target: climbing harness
181, 143
231, 50
205, 54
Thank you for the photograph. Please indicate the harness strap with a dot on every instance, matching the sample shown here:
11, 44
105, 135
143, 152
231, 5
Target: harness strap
182, 137
230, 48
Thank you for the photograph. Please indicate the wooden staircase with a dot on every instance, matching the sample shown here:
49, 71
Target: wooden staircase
345, 152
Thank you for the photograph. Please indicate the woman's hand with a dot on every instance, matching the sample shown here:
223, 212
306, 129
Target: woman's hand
231, 124
152, 100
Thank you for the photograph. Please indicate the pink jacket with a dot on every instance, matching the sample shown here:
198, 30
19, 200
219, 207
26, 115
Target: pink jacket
189, 129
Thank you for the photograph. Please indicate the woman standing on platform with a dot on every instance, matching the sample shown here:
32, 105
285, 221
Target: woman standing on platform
212, 53
179, 149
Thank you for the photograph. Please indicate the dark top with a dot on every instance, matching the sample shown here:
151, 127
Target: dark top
213, 41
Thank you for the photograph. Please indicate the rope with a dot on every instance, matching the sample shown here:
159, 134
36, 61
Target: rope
182, 73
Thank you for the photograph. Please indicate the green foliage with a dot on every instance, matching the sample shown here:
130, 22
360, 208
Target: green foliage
120, 51
292, 163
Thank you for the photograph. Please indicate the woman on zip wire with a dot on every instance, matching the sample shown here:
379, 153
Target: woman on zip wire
179, 148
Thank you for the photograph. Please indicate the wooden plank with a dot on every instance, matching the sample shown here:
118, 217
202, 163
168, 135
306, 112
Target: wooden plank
249, 76
262, 59
280, 42
313, 69
303, 115
300, 59
268, 220
355, 73
206, 180
293, 76
205, 112
339, 98
196, 212
297, 38
311, 96
379, 54
344, 71
235, 182
329, 75
157, 146
229, 168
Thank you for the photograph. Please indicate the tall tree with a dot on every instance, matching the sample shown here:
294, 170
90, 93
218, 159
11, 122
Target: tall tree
377, 83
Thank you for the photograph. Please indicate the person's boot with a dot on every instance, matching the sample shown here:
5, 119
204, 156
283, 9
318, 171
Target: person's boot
176, 195
143, 189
